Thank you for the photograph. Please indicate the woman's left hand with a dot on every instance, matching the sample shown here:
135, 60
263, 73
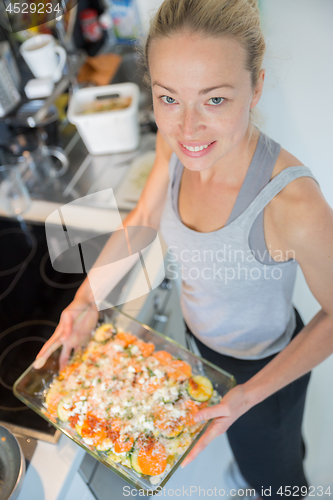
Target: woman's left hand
233, 405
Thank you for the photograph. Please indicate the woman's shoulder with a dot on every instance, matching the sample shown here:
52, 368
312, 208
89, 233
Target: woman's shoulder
299, 189
298, 203
285, 160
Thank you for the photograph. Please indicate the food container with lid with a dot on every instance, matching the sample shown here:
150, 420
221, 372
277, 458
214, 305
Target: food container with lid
106, 131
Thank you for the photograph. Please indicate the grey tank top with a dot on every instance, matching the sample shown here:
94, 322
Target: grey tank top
257, 176
234, 297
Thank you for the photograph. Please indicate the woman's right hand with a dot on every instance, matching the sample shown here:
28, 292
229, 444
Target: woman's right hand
74, 329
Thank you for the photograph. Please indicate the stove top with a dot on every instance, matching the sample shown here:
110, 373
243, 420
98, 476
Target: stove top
32, 297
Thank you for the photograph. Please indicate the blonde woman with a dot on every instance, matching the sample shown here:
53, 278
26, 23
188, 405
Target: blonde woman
239, 213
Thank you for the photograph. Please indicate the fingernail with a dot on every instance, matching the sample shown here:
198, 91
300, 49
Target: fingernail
39, 363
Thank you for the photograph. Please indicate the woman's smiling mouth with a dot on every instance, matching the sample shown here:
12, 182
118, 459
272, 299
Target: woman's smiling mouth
197, 150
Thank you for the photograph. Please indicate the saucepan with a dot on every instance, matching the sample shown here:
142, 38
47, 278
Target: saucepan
12, 465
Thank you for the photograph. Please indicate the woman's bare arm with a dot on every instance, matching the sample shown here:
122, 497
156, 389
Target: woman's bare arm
147, 213
304, 224
80, 317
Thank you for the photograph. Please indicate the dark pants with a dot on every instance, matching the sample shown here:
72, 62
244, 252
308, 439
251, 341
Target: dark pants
267, 441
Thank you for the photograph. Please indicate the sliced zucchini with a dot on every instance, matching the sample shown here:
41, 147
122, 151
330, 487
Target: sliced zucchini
105, 446
104, 333
78, 429
134, 461
173, 446
64, 408
200, 388
114, 457
173, 432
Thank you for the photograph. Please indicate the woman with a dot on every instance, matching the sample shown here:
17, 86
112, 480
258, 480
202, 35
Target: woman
239, 212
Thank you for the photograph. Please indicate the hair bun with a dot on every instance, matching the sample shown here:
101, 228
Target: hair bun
254, 3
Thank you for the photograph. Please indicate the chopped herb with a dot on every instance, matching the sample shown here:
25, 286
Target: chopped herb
151, 373
99, 381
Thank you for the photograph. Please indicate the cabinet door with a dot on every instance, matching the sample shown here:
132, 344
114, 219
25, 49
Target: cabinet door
78, 490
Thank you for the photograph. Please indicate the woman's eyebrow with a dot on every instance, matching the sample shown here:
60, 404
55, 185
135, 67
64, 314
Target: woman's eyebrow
201, 92
210, 89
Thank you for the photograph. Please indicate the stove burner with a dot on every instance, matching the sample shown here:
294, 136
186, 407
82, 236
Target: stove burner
19, 350
18, 248
10, 348
29, 308
46, 269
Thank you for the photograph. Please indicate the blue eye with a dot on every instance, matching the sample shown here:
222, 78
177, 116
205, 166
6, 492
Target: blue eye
215, 101
168, 100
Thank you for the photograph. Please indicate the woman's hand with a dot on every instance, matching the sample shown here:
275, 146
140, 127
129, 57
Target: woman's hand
233, 405
74, 329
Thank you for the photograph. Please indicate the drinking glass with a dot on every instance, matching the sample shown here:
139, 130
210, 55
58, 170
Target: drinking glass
14, 196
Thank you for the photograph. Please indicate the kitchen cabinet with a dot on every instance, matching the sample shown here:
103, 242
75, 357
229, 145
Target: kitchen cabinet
78, 490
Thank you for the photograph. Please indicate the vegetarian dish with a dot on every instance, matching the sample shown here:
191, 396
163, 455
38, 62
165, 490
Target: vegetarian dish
112, 104
130, 402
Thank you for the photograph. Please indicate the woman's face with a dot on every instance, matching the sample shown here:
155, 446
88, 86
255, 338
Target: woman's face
202, 96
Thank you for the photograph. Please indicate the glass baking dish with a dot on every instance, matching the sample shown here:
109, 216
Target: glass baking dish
33, 384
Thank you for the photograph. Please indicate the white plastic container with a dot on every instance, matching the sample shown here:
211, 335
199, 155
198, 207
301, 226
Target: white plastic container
107, 131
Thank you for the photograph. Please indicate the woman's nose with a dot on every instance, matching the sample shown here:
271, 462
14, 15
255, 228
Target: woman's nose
190, 123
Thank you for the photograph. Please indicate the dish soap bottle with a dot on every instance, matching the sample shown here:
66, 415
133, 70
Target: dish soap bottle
126, 21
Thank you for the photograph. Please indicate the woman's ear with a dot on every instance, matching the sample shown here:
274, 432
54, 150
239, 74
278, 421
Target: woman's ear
258, 89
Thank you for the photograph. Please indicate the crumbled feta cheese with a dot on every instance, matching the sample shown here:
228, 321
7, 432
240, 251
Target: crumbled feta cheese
131, 369
159, 374
122, 454
149, 426
134, 349
88, 441
118, 347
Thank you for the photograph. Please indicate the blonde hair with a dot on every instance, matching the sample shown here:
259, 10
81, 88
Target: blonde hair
237, 19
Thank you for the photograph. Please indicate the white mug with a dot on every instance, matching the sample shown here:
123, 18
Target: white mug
41, 55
